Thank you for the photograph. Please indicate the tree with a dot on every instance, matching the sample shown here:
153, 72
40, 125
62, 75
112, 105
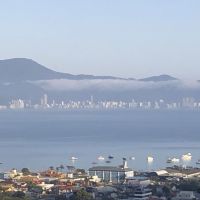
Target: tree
51, 168
82, 195
190, 185
10, 196
62, 167
166, 190
57, 169
34, 188
19, 194
26, 171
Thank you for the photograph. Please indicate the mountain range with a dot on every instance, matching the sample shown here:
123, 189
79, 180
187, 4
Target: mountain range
26, 79
22, 69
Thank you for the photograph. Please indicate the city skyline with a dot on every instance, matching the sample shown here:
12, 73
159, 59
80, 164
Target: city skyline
188, 103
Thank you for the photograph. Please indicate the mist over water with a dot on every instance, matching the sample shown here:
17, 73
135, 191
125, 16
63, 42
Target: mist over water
39, 139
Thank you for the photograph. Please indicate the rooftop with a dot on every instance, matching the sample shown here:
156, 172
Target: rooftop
110, 168
183, 170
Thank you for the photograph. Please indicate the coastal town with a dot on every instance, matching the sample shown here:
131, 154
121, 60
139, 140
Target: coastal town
100, 100
176, 182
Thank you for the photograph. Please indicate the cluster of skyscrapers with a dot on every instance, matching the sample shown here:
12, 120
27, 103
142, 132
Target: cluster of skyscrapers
185, 103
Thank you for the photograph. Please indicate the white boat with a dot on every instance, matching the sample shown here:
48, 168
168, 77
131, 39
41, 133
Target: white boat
186, 157
150, 159
74, 158
198, 162
132, 158
175, 160
101, 158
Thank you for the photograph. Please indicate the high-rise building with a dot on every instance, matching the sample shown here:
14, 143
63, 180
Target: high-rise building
44, 100
17, 104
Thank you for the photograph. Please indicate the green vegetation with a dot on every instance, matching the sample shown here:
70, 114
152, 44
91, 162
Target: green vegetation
13, 196
34, 188
26, 171
81, 195
190, 185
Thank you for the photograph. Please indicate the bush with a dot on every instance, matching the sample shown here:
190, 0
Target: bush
26, 171
81, 195
191, 185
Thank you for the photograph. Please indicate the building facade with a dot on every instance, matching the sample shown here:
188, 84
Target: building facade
112, 174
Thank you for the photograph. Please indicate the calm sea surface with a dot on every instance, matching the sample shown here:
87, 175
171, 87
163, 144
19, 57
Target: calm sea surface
39, 139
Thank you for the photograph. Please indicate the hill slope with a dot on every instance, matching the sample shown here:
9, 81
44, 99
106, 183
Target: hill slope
163, 77
22, 69
26, 79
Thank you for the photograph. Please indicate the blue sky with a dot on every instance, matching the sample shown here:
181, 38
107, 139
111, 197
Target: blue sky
127, 38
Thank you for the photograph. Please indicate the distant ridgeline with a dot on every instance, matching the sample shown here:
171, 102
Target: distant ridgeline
25, 79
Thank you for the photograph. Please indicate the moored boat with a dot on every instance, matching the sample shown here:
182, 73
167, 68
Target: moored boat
186, 157
175, 160
110, 157
150, 159
74, 158
198, 162
132, 158
101, 158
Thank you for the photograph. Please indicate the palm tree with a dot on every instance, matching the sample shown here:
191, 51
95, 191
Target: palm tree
57, 169
71, 168
51, 168
62, 167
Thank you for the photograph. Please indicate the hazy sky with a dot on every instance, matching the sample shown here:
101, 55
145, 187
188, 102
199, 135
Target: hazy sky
127, 38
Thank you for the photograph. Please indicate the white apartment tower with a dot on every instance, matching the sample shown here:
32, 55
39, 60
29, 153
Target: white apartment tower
44, 100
